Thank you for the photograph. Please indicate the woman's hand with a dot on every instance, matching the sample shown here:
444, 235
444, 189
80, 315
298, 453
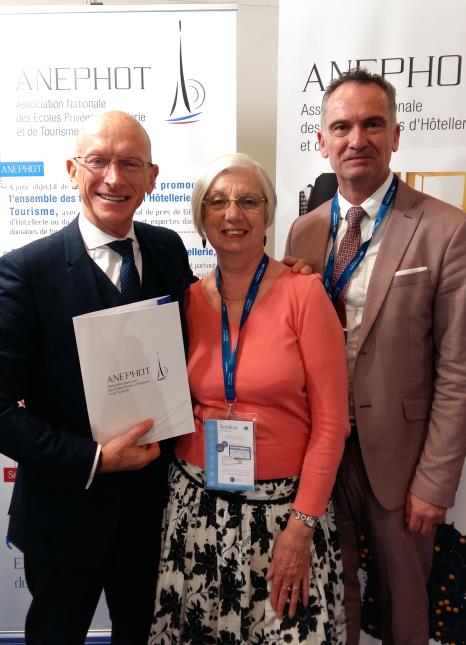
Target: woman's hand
289, 569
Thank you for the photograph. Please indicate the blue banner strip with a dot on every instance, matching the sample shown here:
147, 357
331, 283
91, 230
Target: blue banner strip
21, 169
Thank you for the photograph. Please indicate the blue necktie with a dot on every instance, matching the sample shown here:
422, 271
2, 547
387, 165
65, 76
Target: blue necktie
129, 276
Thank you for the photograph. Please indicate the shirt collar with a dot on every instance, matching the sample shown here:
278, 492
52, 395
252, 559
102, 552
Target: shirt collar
371, 205
94, 238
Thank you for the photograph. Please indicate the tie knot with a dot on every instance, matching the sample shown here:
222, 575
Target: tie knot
354, 216
123, 247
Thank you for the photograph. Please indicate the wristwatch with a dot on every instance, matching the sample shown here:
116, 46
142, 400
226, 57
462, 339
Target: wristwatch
309, 520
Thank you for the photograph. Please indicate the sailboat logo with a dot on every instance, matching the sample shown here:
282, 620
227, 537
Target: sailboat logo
189, 97
162, 370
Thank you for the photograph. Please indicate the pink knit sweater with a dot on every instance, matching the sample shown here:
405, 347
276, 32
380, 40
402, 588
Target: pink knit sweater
291, 371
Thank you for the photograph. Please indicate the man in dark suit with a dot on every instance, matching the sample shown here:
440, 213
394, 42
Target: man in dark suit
396, 271
87, 517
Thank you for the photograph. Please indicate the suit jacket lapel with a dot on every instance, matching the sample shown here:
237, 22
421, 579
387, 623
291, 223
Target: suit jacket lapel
321, 236
317, 243
401, 225
161, 256
82, 275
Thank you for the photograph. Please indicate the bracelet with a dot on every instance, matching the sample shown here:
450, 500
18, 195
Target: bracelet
309, 520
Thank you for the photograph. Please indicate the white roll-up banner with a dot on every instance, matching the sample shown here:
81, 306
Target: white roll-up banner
174, 68
420, 47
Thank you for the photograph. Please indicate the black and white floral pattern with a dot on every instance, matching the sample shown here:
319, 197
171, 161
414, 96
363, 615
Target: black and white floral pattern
216, 552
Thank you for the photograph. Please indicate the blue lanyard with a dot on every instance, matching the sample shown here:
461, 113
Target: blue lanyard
359, 256
228, 356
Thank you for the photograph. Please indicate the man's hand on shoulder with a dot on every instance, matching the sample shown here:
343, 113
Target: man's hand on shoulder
421, 516
123, 452
297, 265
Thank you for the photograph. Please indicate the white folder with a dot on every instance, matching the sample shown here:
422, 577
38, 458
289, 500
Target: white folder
133, 368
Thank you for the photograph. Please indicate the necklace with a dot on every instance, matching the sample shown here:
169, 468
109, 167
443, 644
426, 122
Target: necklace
222, 295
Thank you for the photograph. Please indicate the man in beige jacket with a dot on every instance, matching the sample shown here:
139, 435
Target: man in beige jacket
402, 302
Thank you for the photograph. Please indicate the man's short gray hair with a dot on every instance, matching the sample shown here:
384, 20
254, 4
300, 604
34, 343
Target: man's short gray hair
364, 77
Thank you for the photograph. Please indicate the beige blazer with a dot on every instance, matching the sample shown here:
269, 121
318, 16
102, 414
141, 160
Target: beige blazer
409, 377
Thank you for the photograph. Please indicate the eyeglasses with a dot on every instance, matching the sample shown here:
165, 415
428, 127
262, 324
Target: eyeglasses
95, 162
247, 202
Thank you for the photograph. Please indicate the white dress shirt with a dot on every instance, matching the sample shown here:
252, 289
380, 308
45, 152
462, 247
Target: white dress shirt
359, 281
106, 258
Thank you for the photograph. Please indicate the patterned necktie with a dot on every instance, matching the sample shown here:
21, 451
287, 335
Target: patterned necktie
348, 248
129, 276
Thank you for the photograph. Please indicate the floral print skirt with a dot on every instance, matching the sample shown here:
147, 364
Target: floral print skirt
216, 551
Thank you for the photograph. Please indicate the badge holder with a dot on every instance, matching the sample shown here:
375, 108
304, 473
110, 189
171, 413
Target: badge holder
230, 448
230, 440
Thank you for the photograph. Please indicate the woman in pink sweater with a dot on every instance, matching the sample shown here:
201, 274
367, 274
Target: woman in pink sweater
250, 553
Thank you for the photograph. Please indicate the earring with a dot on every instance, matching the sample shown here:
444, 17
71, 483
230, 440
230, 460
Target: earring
204, 242
265, 240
